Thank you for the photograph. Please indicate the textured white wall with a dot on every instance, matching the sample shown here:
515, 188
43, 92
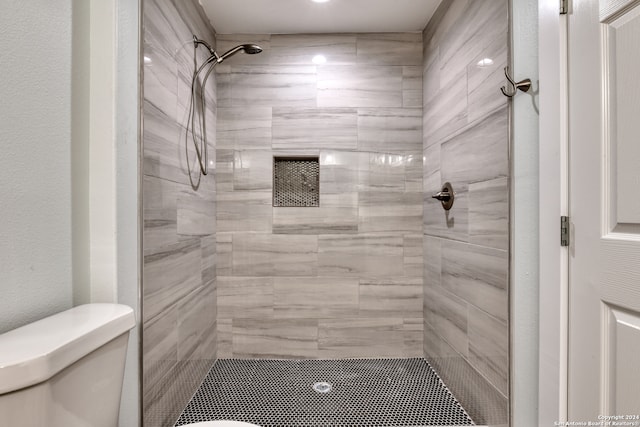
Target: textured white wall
35, 160
525, 229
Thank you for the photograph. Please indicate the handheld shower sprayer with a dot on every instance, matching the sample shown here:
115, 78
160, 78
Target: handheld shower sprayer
250, 49
200, 141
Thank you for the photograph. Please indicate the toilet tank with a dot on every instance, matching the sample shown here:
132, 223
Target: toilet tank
67, 369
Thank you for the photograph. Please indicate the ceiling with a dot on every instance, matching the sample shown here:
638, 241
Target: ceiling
305, 16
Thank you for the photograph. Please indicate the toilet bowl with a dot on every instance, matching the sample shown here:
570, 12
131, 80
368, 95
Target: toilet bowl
221, 423
65, 370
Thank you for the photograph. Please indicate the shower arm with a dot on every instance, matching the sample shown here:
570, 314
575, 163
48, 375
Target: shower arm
214, 55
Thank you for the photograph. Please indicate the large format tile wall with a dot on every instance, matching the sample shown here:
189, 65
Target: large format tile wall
343, 279
466, 299
179, 288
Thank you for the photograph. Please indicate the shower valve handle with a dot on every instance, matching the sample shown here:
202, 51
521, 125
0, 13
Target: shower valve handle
446, 196
443, 196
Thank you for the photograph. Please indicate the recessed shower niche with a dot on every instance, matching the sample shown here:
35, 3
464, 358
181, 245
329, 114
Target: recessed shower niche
296, 182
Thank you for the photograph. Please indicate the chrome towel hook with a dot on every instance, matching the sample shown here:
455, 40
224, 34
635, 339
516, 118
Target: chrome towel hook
523, 85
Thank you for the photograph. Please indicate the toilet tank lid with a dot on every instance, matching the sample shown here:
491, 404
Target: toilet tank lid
35, 352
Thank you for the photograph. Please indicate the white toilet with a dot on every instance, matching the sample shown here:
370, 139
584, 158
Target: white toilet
67, 370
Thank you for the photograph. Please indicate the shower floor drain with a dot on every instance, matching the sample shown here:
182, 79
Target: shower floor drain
322, 387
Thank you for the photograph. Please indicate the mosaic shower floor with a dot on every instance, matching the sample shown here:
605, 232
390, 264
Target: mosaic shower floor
363, 393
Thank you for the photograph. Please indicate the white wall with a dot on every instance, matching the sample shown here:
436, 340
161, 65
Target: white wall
52, 102
35, 161
553, 202
127, 107
109, 206
525, 230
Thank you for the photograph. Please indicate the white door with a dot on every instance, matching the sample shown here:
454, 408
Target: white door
604, 265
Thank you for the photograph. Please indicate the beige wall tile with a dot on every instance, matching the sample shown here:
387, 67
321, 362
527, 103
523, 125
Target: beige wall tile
159, 153
170, 275
413, 170
447, 314
446, 112
381, 171
480, 153
252, 170
208, 261
224, 254
390, 130
360, 255
489, 348
316, 257
390, 211
412, 87
390, 48
244, 128
337, 214
338, 172
360, 337
485, 78
480, 399
273, 86
160, 213
196, 213
274, 255
478, 275
432, 261
299, 49
197, 325
245, 297
465, 142
315, 297
489, 213
225, 338
179, 224
320, 128
413, 337
244, 210
160, 347
359, 86
413, 256
391, 298
275, 338
224, 169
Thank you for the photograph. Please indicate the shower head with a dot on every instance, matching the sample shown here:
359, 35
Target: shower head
250, 49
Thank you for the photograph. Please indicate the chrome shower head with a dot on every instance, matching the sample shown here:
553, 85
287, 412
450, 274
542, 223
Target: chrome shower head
250, 49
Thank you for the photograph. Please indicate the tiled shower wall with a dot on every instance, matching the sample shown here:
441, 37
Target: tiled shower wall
179, 287
343, 279
466, 257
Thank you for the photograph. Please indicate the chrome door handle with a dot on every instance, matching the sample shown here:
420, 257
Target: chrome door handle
446, 196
